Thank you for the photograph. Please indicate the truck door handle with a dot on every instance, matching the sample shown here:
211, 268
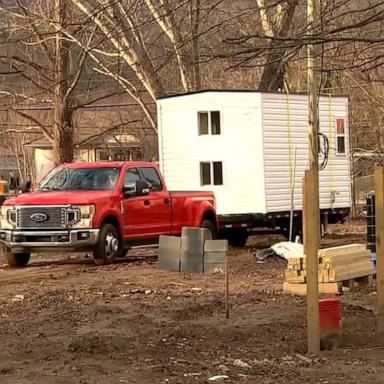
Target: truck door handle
167, 201
147, 202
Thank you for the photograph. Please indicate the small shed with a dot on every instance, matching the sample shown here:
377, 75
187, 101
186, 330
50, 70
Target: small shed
241, 145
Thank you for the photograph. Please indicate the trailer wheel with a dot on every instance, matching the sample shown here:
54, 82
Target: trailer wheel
211, 227
109, 245
238, 237
296, 230
17, 259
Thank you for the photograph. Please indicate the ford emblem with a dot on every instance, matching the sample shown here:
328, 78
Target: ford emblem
39, 217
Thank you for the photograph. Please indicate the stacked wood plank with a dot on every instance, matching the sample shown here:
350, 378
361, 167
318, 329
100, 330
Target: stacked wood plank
335, 265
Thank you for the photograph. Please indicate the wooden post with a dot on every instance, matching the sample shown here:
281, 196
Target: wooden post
311, 246
313, 121
379, 213
226, 288
311, 209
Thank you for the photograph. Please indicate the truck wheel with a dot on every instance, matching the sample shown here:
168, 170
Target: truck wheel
17, 259
238, 237
109, 245
211, 227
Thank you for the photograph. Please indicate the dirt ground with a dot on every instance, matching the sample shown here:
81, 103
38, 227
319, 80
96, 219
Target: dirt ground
64, 320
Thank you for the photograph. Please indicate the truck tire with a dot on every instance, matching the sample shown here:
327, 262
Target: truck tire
17, 259
238, 237
109, 245
211, 227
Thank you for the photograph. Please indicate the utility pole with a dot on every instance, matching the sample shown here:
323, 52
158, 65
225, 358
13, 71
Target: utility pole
311, 199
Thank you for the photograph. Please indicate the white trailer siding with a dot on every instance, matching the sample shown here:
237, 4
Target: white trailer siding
259, 132
285, 127
181, 149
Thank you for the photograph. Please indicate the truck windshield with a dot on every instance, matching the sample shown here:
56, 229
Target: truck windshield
80, 179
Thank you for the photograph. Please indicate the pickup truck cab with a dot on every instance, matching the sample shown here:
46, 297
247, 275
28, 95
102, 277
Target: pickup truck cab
104, 207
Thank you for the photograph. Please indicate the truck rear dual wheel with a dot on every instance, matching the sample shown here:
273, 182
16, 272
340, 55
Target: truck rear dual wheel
109, 246
238, 237
211, 228
17, 259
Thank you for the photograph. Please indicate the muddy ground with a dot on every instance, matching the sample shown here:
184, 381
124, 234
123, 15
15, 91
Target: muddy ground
63, 320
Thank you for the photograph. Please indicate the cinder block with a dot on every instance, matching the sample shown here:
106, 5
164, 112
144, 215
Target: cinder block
215, 257
192, 249
197, 234
215, 252
192, 254
169, 253
216, 246
214, 261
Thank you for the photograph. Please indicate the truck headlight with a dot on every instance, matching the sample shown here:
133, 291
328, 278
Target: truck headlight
84, 215
7, 217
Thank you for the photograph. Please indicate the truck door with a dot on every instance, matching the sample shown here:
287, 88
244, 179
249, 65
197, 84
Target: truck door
133, 209
157, 205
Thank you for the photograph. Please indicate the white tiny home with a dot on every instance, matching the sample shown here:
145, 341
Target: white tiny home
241, 145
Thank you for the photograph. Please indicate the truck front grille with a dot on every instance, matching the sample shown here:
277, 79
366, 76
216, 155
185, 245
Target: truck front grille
41, 217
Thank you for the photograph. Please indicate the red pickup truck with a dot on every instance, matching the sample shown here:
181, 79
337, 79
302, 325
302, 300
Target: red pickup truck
104, 207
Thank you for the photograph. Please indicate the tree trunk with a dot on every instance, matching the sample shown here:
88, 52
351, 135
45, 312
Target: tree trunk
62, 120
273, 75
195, 22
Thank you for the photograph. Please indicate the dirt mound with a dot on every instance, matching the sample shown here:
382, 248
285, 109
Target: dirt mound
97, 343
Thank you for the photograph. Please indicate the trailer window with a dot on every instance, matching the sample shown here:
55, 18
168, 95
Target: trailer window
215, 123
209, 123
205, 173
340, 136
217, 173
203, 123
209, 169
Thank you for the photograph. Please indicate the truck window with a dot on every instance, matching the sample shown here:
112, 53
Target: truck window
151, 175
131, 177
80, 179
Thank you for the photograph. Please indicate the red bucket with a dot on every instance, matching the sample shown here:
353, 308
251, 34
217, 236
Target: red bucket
330, 323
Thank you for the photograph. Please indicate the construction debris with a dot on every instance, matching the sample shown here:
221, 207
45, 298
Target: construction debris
284, 249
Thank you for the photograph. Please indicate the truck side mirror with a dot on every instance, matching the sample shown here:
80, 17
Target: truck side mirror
129, 190
139, 188
25, 186
142, 188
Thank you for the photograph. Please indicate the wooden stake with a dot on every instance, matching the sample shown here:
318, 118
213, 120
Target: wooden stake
226, 288
311, 245
379, 213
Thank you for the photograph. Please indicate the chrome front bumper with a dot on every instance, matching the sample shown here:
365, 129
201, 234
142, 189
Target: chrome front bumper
44, 240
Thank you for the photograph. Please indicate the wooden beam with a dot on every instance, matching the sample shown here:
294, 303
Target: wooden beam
379, 212
311, 245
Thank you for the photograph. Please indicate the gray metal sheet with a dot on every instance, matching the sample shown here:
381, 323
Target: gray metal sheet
169, 253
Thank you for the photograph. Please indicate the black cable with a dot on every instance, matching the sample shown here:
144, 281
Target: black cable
323, 150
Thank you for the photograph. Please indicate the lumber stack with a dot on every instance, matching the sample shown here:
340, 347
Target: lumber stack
336, 264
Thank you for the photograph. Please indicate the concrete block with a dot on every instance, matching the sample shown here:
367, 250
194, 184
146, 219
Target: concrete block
214, 261
169, 253
216, 246
192, 249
